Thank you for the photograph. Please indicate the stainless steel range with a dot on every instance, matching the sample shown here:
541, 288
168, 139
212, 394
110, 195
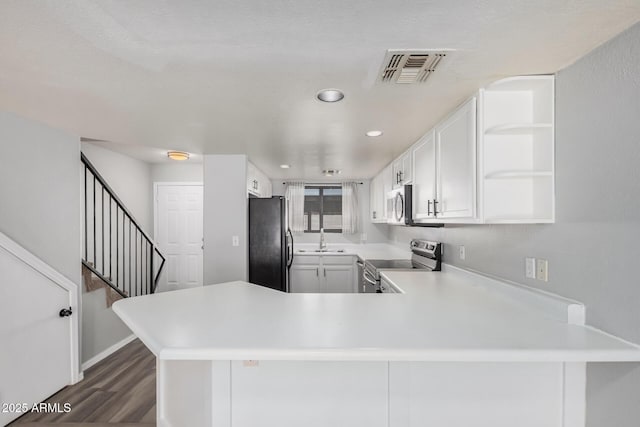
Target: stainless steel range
425, 255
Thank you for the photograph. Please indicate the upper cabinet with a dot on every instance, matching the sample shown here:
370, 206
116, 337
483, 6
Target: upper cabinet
258, 184
402, 170
456, 164
444, 168
380, 185
516, 166
490, 161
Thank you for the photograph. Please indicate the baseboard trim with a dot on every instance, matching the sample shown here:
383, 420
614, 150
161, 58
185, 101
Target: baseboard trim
107, 352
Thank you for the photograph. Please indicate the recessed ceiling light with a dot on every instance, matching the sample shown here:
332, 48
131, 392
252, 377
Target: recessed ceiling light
331, 172
285, 166
178, 155
330, 95
374, 133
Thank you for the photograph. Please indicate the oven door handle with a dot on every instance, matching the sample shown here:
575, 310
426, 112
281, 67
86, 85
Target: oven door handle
369, 279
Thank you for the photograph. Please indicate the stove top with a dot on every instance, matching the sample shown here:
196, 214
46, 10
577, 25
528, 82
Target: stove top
390, 263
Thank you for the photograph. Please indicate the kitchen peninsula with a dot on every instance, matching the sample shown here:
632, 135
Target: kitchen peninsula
451, 348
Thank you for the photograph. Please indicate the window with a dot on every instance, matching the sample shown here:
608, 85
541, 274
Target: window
322, 209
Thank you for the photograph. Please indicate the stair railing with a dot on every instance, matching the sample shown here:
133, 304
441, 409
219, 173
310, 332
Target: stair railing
115, 248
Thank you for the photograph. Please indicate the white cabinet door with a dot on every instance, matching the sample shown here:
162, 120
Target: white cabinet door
456, 143
266, 187
375, 199
304, 279
338, 279
387, 185
397, 170
251, 178
402, 170
424, 177
35, 360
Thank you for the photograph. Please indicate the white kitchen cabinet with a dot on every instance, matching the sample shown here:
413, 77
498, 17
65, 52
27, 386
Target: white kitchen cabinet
380, 185
456, 159
516, 145
323, 274
424, 174
338, 278
376, 202
402, 170
304, 279
258, 184
444, 169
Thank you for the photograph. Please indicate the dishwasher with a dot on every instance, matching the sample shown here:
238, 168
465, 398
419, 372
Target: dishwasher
363, 286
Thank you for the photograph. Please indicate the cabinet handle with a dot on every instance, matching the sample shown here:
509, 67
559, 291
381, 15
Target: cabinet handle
374, 215
325, 272
428, 207
317, 271
435, 207
401, 174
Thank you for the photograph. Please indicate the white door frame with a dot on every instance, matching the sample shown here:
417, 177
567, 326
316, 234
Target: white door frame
158, 184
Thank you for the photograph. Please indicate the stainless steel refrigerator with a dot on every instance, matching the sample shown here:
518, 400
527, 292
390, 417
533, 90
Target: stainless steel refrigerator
270, 243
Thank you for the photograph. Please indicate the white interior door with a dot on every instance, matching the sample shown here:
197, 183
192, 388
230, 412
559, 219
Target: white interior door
179, 225
35, 354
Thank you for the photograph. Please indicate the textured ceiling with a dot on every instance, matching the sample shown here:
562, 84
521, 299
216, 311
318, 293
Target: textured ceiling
241, 76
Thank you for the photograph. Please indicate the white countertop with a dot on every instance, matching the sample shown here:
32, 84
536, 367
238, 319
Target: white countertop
438, 318
364, 251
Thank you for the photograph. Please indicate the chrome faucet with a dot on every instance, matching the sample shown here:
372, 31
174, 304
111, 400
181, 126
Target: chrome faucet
323, 244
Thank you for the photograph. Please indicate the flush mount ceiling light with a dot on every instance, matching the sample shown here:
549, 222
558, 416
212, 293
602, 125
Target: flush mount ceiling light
285, 166
330, 95
331, 172
374, 133
178, 155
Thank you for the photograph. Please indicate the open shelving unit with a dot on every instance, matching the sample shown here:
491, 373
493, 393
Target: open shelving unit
516, 151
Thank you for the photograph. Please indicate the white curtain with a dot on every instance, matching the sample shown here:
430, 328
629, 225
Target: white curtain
295, 206
350, 211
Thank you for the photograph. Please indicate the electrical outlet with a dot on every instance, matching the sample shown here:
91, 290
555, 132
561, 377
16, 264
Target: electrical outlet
462, 252
530, 268
363, 237
542, 270
250, 363
235, 241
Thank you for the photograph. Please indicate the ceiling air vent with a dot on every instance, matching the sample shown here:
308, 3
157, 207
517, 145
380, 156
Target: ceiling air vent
407, 67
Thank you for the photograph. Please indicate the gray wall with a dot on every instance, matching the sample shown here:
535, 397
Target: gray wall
177, 172
130, 179
376, 233
40, 191
225, 215
594, 245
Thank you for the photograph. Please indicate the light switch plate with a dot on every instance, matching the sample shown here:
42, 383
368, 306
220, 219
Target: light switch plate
542, 270
463, 252
235, 241
530, 268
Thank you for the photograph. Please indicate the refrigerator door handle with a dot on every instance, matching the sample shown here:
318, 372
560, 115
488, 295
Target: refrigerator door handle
289, 248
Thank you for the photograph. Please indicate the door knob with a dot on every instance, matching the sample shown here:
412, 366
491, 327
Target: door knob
65, 312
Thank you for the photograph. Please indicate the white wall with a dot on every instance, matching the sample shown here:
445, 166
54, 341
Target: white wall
177, 172
129, 178
225, 216
376, 233
40, 192
593, 247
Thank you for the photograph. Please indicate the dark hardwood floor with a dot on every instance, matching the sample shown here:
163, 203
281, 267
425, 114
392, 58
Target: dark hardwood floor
120, 390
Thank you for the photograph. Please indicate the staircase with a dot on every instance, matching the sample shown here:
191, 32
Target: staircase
117, 254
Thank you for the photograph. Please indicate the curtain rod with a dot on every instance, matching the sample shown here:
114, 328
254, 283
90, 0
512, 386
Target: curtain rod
322, 183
